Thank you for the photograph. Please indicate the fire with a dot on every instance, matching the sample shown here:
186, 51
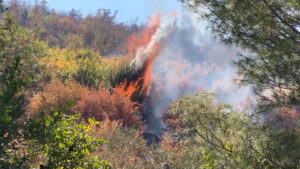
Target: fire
137, 41
144, 50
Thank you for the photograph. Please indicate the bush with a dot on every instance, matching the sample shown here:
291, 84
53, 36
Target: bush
127, 149
101, 104
56, 96
60, 63
227, 138
72, 97
63, 143
91, 73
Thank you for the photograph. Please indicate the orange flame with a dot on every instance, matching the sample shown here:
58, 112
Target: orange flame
142, 40
142, 84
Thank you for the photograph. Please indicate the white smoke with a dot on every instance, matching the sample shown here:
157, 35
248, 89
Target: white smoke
162, 32
190, 60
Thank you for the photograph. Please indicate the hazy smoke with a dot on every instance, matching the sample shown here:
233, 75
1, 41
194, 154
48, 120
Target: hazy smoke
162, 32
190, 60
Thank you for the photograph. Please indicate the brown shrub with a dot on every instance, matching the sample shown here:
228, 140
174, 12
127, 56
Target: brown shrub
127, 149
101, 104
91, 103
94, 104
286, 119
55, 95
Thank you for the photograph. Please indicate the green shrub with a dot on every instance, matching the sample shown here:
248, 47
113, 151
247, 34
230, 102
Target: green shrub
224, 137
90, 73
64, 143
17, 58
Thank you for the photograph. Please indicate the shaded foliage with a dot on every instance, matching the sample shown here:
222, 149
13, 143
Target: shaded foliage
127, 149
90, 73
123, 70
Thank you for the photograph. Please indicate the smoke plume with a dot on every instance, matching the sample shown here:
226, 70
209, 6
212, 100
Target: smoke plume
178, 57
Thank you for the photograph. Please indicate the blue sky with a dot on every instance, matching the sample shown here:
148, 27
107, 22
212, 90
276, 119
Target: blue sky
128, 10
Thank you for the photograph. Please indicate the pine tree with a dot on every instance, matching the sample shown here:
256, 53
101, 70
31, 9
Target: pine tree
270, 29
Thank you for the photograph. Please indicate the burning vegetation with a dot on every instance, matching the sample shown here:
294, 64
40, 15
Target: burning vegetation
144, 49
84, 89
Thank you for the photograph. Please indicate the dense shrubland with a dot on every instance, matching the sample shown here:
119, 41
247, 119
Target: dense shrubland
60, 107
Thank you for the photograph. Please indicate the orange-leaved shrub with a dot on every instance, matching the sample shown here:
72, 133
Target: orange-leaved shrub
102, 104
72, 97
55, 96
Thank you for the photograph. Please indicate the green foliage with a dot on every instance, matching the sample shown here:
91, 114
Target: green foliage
62, 141
15, 74
228, 138
66, 143
75, 42
268, 28
18, 43
11, 109
90, 73
270, 31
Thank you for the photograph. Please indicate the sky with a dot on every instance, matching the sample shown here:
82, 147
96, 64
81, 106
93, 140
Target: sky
128, 10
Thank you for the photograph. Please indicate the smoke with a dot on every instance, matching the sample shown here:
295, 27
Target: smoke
189, 60
162, 32
177, 57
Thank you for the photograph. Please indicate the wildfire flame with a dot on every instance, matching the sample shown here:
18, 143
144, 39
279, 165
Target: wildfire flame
145, 49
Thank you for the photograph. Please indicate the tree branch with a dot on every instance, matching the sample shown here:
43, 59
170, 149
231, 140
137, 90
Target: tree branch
280, 18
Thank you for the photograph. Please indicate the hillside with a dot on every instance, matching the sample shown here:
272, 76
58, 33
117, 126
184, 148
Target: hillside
92, 92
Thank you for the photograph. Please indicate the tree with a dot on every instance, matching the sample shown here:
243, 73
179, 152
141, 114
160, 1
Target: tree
225, 138
11, 109
99, 32
15, 74
1, 6
270, 29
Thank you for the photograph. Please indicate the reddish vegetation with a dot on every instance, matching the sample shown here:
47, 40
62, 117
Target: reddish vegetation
55, 96
101, 105
142, 84
285, 118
